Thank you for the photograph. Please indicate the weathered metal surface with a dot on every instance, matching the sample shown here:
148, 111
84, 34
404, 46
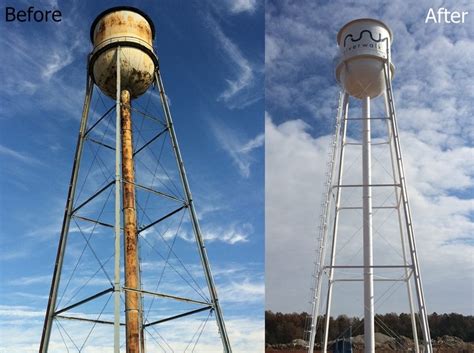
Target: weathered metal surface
132, 299
124, 23
133, 32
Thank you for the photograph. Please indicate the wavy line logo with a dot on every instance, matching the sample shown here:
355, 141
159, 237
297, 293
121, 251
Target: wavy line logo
361, 35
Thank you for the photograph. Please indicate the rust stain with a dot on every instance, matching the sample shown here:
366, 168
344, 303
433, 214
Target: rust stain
132, 299
113, 24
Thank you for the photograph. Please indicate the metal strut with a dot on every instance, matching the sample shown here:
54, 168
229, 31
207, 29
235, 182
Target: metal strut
117, 206
341, 115
194, 218
53, 294
407, 212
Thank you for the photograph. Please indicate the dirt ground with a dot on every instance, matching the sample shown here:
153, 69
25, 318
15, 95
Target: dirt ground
289, 351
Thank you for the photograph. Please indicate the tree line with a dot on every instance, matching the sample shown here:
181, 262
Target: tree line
284, 328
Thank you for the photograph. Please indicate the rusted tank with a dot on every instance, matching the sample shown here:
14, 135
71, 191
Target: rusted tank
133, 31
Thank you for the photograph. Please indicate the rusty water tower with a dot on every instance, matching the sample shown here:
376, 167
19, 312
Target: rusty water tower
365, 72
123, 65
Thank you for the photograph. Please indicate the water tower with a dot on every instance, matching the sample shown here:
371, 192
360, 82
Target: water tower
124, 66
365, 71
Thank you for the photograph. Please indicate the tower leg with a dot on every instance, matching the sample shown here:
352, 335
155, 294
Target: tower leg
117, 225
194, 220
319, 269
369, 312
53, 294
406, 209
336, 223
132, 298
402, 239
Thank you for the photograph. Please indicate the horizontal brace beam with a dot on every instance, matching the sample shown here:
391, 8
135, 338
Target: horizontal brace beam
100, 119
146, 115
94, 221
161, 295
101, 144
93, 197
151, 141
360, 144
374, 118
360, 207
375, 280
161, 219
87, 320
92, 297
210, 307
374, 266
361, 185
160, 193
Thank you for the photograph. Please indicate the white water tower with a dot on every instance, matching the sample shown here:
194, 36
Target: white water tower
364, 72
365, 47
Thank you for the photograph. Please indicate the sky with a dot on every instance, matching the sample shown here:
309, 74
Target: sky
212, 63
433, 98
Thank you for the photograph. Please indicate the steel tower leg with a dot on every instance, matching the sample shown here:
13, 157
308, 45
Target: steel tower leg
369, 327
194, 218
336, 224
53, 294
341, 119
402, 239
406, 209
117, 226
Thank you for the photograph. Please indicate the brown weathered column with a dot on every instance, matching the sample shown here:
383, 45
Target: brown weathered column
132, 279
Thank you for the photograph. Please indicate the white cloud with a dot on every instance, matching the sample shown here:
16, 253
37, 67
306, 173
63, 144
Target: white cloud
293, 171
239, 149
243, 291
294, 178
29, 280
32, 65
231, 235
239, 6
240, 91
21, 325
19, 156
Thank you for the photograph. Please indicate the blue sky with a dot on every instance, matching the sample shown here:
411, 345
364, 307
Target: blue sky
212, 62
433, 95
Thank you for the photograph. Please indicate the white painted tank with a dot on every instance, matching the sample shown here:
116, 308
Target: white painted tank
133, 31
364, 46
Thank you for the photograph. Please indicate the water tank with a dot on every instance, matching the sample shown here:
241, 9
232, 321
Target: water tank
133, 31
364, 46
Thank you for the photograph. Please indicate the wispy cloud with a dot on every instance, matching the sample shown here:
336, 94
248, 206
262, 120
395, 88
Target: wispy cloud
240, 6
21, 324
239, 149
19, 156
233, 234
32, 65
241, 90
29, 280
244, 291
230, 235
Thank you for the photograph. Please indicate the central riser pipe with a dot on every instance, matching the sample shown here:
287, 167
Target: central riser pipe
132, 280
367, 230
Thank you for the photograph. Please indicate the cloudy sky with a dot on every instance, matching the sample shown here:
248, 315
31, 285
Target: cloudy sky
212, 65
433, 95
